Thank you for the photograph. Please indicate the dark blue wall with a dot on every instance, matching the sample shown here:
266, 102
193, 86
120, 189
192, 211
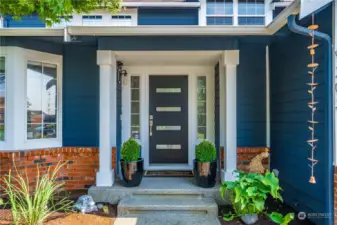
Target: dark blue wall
26, 21
80, 96
289, 116
171, 43
251, 95
167, 16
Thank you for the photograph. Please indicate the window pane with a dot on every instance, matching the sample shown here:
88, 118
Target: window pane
34, 131
49, 131
135, 132
251, 20
2, 132
201, 107
135, 104
219, 20
41, 100
49, 88
134, 82
201, 133
135, 94
134, 107
219, 7
2, 98
135, 120
34, 92
251, 7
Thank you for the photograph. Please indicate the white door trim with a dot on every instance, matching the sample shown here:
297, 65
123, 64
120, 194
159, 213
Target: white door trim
144, 72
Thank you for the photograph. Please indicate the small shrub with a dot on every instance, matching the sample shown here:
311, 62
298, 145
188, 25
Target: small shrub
34, 206
249, 193
205, 151
130, 150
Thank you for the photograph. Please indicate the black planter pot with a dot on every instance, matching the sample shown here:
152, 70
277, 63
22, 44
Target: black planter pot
205, 173
132, 172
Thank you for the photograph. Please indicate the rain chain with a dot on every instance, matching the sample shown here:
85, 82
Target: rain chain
312, 104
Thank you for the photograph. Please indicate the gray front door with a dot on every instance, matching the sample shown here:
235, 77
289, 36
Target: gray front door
168, 119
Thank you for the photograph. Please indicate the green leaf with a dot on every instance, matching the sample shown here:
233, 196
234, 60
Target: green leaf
259, 204
276, 217
228, 217
251, 191
238, 192
287, 218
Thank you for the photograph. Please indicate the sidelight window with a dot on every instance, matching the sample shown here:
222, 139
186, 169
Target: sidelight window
201, 110
41, 100
2, 97
135, 107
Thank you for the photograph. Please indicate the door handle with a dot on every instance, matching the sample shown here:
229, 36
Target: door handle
151, 124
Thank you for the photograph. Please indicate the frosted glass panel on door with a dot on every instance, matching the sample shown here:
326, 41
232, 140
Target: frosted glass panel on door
135, 107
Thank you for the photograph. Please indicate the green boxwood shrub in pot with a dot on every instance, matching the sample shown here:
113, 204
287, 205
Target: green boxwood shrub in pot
205, 164
248, 194
132, 166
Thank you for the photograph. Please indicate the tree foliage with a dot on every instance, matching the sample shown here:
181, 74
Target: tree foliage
52, 11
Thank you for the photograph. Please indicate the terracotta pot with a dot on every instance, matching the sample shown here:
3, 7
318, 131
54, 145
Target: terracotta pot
205, 173
132, 172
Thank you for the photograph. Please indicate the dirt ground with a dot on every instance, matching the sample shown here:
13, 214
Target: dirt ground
98, 218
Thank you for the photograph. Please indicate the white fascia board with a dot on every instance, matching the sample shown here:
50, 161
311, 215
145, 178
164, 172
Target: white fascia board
167, 30
31, 32
281, 19
280, 4
161, 4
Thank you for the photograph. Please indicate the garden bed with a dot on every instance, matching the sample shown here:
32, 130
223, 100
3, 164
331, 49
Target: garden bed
98, 218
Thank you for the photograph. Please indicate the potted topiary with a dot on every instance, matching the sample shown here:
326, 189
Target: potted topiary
248, 195
205, 164
132, 166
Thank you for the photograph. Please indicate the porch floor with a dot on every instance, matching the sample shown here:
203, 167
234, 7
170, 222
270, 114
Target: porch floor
156, 186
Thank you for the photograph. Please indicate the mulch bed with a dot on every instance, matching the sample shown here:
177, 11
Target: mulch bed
97, 218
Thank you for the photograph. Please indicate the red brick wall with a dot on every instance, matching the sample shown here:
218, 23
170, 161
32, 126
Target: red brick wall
79, 171
245, 155
335, 197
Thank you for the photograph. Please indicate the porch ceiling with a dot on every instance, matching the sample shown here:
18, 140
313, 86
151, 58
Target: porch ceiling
157, 58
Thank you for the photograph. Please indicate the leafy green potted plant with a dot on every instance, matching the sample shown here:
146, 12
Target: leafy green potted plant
248, 195
205, 164
132, 166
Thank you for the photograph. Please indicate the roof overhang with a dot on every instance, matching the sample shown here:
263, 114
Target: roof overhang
161, 4
271, 29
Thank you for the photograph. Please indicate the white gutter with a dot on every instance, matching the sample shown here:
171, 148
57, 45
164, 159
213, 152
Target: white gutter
161, 4
271, 29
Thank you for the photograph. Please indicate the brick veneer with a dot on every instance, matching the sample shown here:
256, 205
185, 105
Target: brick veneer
78, 173
335, 195
245, 155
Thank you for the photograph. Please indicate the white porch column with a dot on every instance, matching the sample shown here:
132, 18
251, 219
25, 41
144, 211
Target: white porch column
107, 116
230, 62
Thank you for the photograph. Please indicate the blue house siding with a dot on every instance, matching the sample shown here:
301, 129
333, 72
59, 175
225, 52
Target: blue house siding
32, 21
80, 96
33, 43
251, 95
167, 16
164, 43
289, 115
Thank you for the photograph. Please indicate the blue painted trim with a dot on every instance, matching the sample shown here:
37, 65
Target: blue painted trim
329, 93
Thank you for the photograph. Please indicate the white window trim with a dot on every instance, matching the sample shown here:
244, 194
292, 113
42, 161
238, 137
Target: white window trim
106, 17
16, 107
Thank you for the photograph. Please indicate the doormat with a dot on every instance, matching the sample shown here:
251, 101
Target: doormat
168, 173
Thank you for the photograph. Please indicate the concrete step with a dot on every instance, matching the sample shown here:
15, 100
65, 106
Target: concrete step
154, 203
167, 218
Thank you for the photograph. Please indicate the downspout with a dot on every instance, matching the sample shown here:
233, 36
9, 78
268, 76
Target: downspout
322, 36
